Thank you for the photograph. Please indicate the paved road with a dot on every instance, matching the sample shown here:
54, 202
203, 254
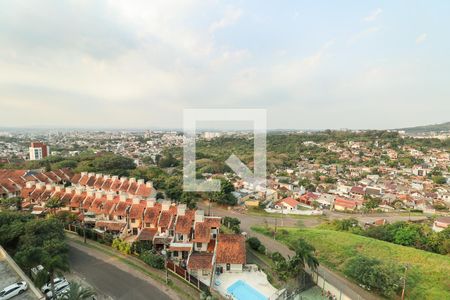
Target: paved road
109, 278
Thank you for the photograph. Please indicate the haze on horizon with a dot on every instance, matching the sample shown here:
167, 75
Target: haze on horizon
112, 64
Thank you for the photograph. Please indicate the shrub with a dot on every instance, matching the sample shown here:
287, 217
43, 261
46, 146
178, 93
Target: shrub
153, 259
254, 243
262, 249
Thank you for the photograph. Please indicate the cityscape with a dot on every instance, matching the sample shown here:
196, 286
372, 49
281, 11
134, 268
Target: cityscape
213, 150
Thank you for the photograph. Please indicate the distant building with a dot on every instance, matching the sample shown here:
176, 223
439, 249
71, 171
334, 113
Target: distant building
39, 151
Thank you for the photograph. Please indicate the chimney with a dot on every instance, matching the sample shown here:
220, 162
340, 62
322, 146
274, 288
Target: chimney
79, 191
106, 177
136, 200
49, 186
199, 215
69, 190
99, 194
98, 175
149, 184
123, 197
90, 193
123, 179
84, 174
91, 174
40, 185
30, 184
151, 203
59, 188
141, 181
181, 209
115, 178
132, 179
165, 205
110, 195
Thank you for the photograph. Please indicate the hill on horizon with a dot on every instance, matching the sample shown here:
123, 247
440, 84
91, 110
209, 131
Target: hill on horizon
428, 128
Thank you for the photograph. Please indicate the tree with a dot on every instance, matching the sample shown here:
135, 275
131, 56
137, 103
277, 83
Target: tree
304, 256
407, 235
373, 274
77, 292
232, 223
53, 204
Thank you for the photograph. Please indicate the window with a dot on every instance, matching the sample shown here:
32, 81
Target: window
133, 220
228, 267
199, 245
147, 224
175, 253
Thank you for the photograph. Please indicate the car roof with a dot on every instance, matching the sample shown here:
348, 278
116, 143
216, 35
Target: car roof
10, 287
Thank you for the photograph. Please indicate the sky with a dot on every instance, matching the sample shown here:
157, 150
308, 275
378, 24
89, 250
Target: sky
310, 64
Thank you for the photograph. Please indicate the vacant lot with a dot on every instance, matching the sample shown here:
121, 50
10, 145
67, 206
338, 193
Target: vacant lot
428, 277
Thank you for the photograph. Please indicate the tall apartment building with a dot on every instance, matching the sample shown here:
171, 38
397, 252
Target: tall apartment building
39, 151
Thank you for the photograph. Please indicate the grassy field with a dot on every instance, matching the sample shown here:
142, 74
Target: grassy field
429, 275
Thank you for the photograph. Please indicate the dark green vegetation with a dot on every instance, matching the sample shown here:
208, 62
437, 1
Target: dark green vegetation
415, 235
428, 128
292, 269
34, 242
427, 272
105, 162
285, 149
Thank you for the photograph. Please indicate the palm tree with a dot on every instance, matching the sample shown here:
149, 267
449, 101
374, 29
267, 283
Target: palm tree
77, 292
304, 256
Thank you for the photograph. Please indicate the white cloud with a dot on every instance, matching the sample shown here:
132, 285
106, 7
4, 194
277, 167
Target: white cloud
421, 38
373, 15
364, 34
231, 16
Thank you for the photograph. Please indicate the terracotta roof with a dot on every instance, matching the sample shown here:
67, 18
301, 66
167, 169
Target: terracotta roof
184, 224
200, 261
164, 219
231, 249
357, 190
151, 215
147, 234
290, 201
121, 208
345, 203
110, 225
136, 211
202, 233
83, 180
213, 222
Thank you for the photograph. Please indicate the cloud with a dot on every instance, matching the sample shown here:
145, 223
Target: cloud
373, 15
231, 16
421, 38
364, 33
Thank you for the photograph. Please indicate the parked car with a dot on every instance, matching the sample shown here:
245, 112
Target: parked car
13, 290
61, 288
56, 281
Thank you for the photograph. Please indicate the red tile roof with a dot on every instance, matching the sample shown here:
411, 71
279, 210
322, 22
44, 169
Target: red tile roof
147, 234
231, 249
289, 201
202, 233
200, 261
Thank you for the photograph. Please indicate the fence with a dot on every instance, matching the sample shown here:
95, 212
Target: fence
184, 274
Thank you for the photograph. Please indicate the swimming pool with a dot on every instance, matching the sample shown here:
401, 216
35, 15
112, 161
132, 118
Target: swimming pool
240, 290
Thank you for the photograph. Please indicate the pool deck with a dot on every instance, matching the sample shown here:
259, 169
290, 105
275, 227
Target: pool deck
256, 279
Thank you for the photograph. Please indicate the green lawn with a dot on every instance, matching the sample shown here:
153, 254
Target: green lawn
429, 277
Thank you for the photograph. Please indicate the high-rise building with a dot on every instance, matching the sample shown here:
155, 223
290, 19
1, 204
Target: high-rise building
39, 151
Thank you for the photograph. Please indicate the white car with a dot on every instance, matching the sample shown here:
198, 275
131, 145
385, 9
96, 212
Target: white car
13, 290
56, 281
61, 288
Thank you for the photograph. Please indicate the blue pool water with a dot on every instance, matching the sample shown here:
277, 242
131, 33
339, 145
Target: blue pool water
240, 290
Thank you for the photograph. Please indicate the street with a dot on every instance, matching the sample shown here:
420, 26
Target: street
111, 277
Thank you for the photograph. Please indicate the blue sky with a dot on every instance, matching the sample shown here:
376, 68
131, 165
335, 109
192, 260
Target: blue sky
311, 64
